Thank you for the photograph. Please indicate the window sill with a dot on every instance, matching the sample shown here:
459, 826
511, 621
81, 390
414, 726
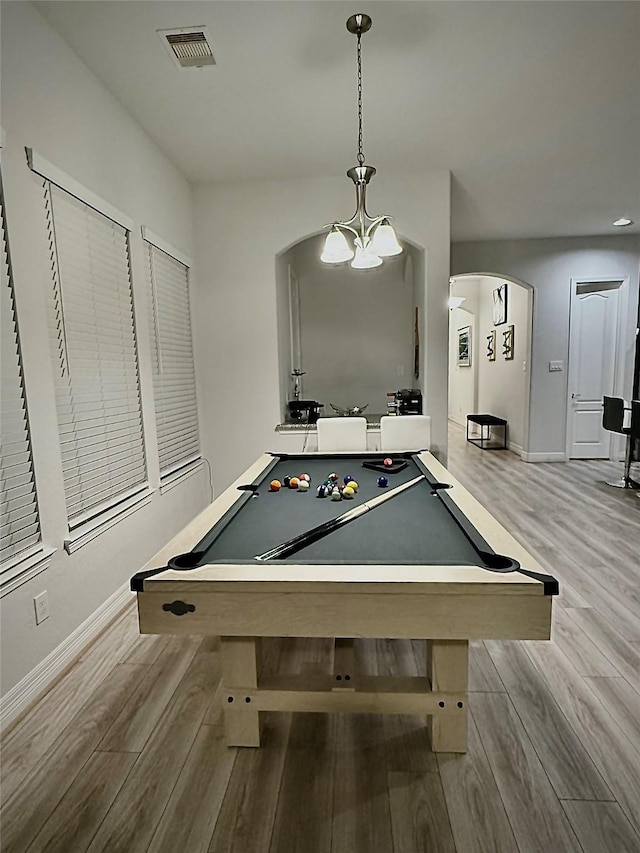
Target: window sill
89, 530
174, 478
24, 567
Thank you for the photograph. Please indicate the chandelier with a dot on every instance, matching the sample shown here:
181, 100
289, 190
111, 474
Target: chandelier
373, 237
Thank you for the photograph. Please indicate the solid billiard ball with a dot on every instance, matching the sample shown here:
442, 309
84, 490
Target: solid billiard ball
336, 495
347, 479
286, 481
334, 478
382, 482
388, 462
321, 491
303, 486
274, 486
304, 477
294, 483
348, 492
353, 485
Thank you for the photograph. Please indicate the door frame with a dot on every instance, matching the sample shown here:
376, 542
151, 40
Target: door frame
616, 443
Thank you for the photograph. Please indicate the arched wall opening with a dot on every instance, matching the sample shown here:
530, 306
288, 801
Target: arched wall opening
495, 321
351, 332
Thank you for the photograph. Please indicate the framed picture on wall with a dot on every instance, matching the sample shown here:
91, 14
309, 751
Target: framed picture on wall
464, 346
508, 343
500, 305
491, 345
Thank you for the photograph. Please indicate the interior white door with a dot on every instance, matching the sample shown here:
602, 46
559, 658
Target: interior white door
592, 357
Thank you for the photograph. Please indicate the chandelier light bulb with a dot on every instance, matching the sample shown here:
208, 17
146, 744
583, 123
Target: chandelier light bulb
336, 249
384, 242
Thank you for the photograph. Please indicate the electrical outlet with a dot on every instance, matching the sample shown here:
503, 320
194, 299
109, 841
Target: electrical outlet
555, 366
41, 605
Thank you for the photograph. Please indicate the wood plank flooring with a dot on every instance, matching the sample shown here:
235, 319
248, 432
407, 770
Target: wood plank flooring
125, 753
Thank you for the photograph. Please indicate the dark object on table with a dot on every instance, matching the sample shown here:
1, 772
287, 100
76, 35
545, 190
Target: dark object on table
485, 422
351, 412
304, 411
378, 465
406, 401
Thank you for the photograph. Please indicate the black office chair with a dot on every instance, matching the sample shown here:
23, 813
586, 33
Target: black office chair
613, 421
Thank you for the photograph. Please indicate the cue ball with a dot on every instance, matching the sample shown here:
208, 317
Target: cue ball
388, 462
294, 483
336, 495
274, 486
382, 482
303, 486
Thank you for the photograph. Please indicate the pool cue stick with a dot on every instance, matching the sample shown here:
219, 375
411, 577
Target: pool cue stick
285, 549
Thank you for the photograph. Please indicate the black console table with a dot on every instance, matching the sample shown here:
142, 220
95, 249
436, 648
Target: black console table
485, 422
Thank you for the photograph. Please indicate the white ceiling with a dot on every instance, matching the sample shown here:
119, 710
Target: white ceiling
534, 106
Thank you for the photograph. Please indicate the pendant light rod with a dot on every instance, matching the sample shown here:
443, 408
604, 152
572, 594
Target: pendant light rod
374, 238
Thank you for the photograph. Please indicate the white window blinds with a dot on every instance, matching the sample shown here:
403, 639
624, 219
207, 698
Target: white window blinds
95, 357
18, 501
174, 382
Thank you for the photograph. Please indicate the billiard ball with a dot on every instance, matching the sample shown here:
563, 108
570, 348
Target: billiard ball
348, 492
321, 491
334, 478
388, 462
274, 486
286, 481
304, 477
353, 485
303, 486
294, 483
382, 482
347, 479
336, 495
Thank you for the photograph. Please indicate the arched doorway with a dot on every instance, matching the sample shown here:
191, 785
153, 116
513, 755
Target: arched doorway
498, 312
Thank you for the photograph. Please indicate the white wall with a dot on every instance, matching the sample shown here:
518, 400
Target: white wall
51, 102
241, 227
549, 265
462, 380
356, 329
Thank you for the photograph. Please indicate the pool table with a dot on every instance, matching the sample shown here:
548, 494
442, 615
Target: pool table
429, 562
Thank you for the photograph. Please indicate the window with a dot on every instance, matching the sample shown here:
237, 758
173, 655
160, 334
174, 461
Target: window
174, 383
18, 499
95, 360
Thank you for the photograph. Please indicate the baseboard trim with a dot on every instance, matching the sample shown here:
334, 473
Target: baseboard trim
557, 456
515, 448
35, 683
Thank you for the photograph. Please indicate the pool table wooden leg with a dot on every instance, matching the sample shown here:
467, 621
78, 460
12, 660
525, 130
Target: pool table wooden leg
239, 670
448, 671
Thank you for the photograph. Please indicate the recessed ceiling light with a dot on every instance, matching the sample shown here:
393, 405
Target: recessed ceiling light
623, 221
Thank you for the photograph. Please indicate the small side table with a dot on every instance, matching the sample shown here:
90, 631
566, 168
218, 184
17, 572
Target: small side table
485, 422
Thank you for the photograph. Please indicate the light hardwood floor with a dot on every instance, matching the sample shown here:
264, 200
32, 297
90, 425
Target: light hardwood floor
125, 753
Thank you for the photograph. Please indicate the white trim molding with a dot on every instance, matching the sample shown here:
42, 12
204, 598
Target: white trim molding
36, 682
41, 166
164, 246
558, 456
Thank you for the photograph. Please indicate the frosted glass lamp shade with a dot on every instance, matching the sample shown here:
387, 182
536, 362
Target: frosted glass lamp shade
455, 302
384, 242
336, 249
365, 259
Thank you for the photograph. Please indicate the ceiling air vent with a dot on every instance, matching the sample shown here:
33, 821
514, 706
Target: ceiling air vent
188, 46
